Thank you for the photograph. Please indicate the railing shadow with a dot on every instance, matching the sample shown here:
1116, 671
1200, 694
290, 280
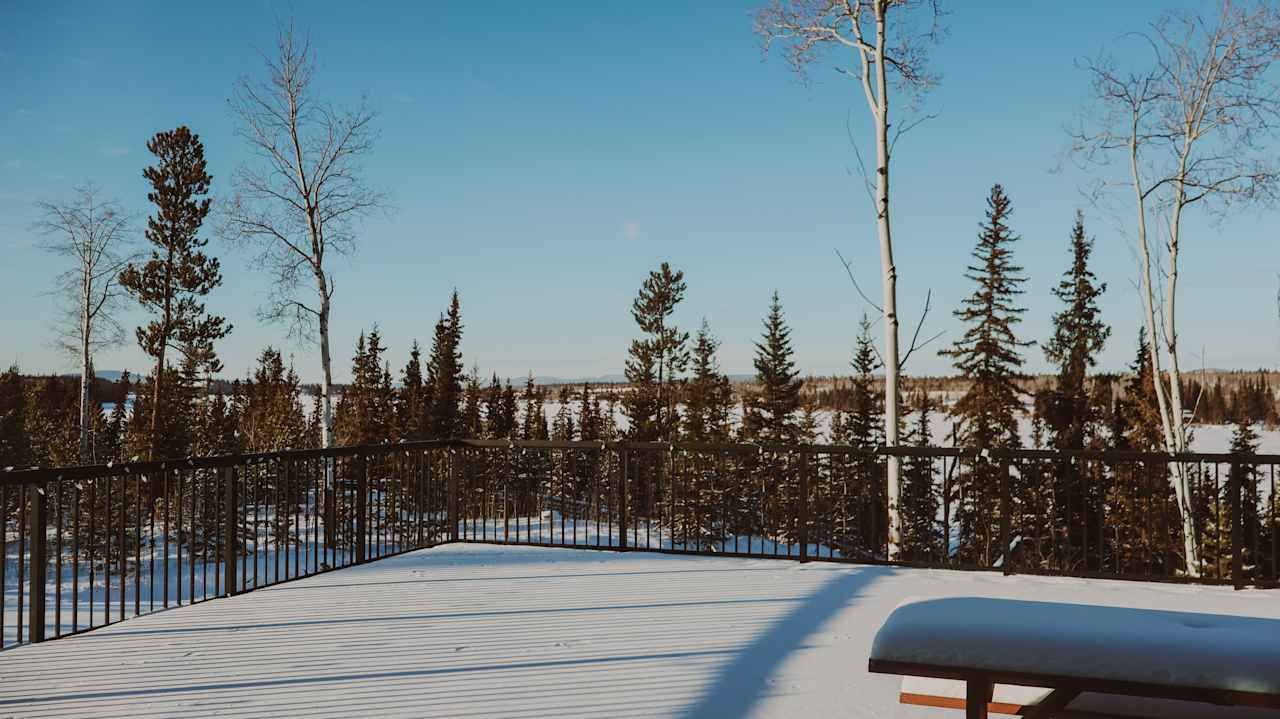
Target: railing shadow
742, 683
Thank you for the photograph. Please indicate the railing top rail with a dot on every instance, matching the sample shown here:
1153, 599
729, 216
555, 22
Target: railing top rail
11, 476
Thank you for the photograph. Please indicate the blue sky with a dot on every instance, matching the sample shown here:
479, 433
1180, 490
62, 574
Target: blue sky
542, 157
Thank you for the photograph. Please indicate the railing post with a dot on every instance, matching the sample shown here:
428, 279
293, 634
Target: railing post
330, 507
362, 507
803, 517
1006, 525
37, 520
1235, 487
231, 530
453, 495
624, 460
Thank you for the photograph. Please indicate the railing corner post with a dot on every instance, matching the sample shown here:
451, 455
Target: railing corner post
231, 530
38, 522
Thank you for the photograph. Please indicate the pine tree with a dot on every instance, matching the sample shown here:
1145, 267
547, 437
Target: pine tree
111, 442
499, 418
988, 355
858, 518
771, 415
656, 362
1217, 541
562, 428
271, 418
1078, 336
590, 423
1070, 416
445, 376
411, 400
921, 496
1139, 411
14, 448
708, 395
178, 272
472, 421
363, 415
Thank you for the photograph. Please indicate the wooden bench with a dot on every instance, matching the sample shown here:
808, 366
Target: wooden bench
1043, 659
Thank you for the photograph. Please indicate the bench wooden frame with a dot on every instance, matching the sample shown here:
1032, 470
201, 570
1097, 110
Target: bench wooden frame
980, 683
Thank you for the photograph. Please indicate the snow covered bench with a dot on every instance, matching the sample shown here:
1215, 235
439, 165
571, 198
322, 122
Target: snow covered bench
1043, 659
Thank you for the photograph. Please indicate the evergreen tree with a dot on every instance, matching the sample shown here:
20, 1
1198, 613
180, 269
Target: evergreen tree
363, 415
445, 376
1078, 336
562, 425
1070, 416
499, 417
472, 421
590, 423
1138, 412
52, 422
988, 356
921, 497
271, 418
411, 400
771, 415
178, 272
655, 363
708, 395
1217, 542
14, 448
859, 520
111, 440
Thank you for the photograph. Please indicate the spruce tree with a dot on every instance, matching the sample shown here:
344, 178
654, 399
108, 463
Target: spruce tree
472, 420
177, 274
988, 355
14, 448
772, 408
445, 376
1078, 336
656, 362
1070, 416
111, 444
708, 395
590, 423
921, 496
411, 404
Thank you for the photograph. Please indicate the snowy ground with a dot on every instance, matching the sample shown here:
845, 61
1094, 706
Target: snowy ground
473, 630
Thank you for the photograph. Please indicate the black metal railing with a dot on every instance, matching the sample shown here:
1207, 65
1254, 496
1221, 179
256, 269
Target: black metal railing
88, 546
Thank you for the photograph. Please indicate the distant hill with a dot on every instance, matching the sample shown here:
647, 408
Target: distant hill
110, 375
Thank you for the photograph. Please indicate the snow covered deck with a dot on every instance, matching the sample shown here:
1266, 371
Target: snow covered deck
467, 630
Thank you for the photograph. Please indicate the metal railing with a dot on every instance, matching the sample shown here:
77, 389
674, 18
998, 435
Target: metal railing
85, 547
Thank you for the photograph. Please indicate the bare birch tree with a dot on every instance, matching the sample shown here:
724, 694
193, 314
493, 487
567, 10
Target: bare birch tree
297, 202
888, 51
1190, 126
91, 233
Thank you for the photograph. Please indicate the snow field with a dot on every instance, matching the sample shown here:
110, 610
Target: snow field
466, 630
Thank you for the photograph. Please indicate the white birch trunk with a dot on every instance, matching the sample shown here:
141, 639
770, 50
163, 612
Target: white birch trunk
1172, 428
889, 280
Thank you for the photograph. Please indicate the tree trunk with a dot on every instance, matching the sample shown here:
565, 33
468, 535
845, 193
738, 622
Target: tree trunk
889, 275
1171, 439
86, 374
326, 368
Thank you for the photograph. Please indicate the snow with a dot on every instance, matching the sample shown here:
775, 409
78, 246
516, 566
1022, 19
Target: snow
472, 630
1183, 649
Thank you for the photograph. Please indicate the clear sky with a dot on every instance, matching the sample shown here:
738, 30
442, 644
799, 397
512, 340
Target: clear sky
542, 157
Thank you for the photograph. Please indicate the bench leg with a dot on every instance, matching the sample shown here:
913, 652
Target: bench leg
977, 695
